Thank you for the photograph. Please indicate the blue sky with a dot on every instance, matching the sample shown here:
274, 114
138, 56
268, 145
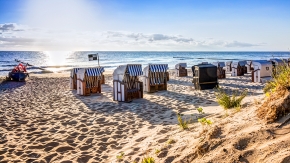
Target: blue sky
165, 25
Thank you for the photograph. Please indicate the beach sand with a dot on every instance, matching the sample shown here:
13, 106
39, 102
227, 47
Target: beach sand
42, 120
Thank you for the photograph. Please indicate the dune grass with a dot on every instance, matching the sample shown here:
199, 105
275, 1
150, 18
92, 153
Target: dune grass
148, 160
281, 80
232, 100
182, 123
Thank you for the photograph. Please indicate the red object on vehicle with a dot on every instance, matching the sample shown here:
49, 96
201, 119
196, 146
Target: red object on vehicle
19, 68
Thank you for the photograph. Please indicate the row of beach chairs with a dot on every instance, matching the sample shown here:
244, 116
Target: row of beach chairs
261, 70
126, 82
129, 81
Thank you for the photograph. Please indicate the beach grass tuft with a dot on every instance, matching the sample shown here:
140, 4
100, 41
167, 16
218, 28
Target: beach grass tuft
200, 110
281, 80
121, 156
228, 101
157, 151
182, 123
204, 121
148, 160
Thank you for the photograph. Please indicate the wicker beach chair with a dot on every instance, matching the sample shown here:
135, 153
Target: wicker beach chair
205, 76
126, 84
221, 72
89, 80
262, 69
239, 68
181, 70
229, 66
155, 77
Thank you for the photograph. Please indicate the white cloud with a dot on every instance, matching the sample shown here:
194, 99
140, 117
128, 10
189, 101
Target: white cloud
14, 36
241, 44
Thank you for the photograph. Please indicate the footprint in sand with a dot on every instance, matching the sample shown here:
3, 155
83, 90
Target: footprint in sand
64, 149
84, 158
162, 140
85, 148
140, 139
162, 131
82, 137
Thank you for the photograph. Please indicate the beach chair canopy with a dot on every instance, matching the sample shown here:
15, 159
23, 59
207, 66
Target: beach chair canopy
219, 64
155, 68
94, 71
74, 71
278, 62
242, 63
131, 69
180, 65
228, 63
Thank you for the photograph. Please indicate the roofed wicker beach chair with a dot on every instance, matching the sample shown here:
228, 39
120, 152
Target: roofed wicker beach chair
89, 80
155, 77
181, 70
249, 66
205, 76
239, 68
221, 72
262, 69
229, 66
126, 84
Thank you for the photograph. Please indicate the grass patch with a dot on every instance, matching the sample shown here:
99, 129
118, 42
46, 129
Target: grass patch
200, 110
182, 123
148, 160
157, 151
204, 121
238, 109
281, 80
170, 141
232, 100
121, 156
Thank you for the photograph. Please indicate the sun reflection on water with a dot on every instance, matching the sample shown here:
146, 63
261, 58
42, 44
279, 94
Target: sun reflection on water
57, 60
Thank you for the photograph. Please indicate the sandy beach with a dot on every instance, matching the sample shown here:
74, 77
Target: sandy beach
42, 120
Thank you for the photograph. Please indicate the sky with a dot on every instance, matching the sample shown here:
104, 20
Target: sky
149, 25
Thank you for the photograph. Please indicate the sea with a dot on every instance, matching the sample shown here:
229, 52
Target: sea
64, 61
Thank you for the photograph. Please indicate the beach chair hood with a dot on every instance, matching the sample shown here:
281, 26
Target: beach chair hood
180, 65
242, 63
132, 69
95, 71
219, 64
155, 68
